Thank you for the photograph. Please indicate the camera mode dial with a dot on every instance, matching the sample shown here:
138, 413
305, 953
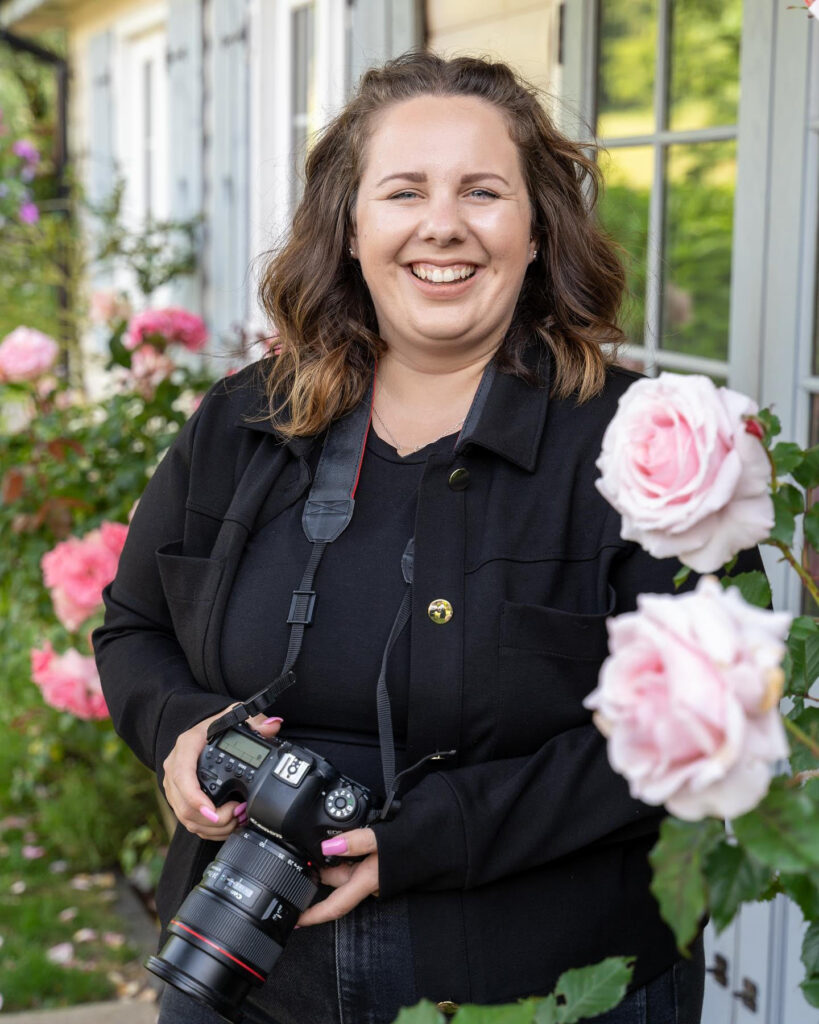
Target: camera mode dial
341, 804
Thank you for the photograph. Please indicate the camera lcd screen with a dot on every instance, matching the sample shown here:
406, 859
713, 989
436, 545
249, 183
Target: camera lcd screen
245, 749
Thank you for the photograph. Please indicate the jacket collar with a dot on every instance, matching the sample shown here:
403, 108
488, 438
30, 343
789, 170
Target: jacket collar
507, 415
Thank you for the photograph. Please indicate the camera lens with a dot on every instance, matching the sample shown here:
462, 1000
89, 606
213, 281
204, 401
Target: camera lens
232, 927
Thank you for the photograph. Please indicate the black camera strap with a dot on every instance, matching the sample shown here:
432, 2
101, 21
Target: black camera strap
327, 513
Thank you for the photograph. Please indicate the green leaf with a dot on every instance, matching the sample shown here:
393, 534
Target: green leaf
733, 877
807, 473
803, 889
810, 949
514, 1013
753, 586
770, 422
547, 1011
787, 503
787, 456
802, 758
810, 989
802, 662
811, 525
783, 830
424, 1013
589, 991
682, 576
679, 883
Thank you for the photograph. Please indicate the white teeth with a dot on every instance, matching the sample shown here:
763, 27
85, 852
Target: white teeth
443, 275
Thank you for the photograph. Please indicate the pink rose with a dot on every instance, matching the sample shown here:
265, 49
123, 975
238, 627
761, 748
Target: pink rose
26, 354
688, 699
149, 367
109, 307
172, 325
684, 473
77, 570
69, 682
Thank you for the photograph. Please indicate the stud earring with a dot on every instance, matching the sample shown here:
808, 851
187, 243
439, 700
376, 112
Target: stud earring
533, 257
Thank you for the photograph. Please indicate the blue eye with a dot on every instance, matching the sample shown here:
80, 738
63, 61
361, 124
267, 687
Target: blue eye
407, 194
484, 193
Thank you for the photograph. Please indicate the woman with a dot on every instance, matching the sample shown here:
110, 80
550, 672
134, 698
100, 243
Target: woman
446, 237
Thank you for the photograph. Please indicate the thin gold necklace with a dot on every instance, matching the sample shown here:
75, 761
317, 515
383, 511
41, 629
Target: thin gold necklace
408, 448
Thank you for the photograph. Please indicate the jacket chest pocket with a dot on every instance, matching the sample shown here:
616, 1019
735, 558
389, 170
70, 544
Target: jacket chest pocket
549, 660
190, 585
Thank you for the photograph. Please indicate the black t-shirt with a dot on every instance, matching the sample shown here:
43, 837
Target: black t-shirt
359, 585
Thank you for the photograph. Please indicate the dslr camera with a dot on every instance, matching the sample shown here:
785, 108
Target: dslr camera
232, 927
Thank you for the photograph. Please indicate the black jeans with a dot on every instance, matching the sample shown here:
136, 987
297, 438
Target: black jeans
352, 979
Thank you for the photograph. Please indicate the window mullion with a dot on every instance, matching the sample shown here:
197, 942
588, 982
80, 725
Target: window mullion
654, 275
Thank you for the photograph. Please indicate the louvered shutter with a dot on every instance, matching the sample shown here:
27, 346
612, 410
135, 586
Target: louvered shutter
227, 200
382, 29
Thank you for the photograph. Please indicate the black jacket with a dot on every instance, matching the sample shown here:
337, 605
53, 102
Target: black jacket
526, 855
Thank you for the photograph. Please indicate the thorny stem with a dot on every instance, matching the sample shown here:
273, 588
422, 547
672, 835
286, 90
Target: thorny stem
803, 574
800, 777
802, 736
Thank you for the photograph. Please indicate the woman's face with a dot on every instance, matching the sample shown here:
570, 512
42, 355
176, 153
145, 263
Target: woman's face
442, 225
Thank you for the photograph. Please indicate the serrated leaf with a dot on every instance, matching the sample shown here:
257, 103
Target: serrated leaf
678, 884
787, 456
810, 949
783, 830
753, 586
514, 1013
770, 422
810, 989
802, 662
589, 991
424, 1013
681, 576
547, 1011
732, 877
807, 473
803, 889
802, 757
811, 526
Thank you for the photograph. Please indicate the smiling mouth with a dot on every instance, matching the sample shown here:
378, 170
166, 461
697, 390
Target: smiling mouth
443, 275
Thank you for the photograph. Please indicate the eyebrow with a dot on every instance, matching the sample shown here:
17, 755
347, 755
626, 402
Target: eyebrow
419, 176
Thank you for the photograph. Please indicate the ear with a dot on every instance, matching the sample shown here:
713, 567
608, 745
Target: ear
353, 245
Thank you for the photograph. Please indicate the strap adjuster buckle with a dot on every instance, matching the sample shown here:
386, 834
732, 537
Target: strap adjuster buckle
302, 606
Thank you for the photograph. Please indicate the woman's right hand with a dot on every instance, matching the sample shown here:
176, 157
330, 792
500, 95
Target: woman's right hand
192, 807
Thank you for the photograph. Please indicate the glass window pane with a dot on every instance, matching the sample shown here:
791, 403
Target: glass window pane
704, 63
624, 214
627, 42
816, 320
698, 225
301, 26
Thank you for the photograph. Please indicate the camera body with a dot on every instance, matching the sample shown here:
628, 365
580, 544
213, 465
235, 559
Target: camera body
293, 794
232, 927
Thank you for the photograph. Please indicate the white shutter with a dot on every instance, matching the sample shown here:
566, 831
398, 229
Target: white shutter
227, 199
382, 29
100, 179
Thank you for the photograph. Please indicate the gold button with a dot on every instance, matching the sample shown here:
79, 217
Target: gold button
440, 610
448, 1007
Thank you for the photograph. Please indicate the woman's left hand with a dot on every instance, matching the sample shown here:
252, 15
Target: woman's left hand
353, 881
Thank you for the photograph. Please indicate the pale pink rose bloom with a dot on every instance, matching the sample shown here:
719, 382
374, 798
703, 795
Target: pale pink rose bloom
688, 699
77, 570
26, 354
683, 472
173, 325
109, 306
69, 682
149, 367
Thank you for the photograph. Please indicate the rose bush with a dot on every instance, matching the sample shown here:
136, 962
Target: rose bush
69, 682
682, 470
77, 569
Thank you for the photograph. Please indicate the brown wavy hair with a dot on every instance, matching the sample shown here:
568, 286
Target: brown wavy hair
316, 297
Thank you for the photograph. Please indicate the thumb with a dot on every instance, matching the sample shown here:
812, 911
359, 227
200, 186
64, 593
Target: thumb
265, 726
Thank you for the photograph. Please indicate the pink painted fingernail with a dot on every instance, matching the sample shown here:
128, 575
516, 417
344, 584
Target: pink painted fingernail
270, 721
334, 847
239, 810
243, 821
206, 812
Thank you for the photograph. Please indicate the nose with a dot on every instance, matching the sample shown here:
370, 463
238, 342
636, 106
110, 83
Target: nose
443, 220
